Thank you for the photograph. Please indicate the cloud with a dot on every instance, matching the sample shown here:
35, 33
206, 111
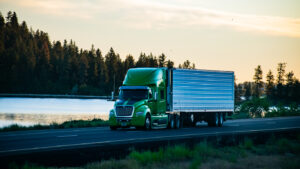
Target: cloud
78, 9
141, 14
160, 16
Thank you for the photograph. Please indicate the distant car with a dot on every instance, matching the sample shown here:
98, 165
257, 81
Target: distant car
272, 108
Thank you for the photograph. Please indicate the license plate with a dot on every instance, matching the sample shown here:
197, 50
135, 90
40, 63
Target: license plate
123, 124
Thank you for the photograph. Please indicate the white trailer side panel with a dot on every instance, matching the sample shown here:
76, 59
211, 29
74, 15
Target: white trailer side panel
202, 91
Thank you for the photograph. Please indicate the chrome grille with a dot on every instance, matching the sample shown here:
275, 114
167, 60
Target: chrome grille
124, 110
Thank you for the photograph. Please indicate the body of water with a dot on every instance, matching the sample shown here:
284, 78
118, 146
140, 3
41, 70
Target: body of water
30, 111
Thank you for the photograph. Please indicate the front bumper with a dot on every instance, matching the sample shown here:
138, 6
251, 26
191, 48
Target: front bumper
127, 121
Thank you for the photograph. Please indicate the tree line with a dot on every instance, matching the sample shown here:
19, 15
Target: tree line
282, 89
30, 63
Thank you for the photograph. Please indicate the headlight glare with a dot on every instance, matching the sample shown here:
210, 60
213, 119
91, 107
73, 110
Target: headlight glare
111, 113
139, 113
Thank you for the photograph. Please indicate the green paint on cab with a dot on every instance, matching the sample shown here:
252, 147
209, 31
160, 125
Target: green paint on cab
142, 94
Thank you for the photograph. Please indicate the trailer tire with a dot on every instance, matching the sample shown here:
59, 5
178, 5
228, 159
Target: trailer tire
213, 119
177, 122
221, 119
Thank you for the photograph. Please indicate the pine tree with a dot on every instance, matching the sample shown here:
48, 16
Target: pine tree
237, 92
102, 72
129, 63
270, 84
143, 61
162, 60
280, 73
3, 71
93, 67
153, 62
248, 90
83, 67
290, 81
280, 81
187, 65
170, 64
258, 76
290, 78
112, 61
2, 24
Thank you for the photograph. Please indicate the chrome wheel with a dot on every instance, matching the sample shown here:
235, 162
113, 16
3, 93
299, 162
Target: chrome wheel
221, 120
172, 122
177, 122
216, 119
147, 123
192, 118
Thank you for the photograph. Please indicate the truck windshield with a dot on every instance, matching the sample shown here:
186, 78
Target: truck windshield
133, 94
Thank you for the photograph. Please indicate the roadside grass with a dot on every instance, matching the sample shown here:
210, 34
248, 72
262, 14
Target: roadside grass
282, 113
67, 124
261, 107
238, 115
276, 153
246, 155
269, 114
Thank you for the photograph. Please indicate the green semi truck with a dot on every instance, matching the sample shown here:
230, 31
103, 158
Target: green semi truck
170, 98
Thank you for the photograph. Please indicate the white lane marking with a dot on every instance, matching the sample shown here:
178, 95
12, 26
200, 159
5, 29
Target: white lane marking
143, 139
264, 119
54, 131
232, 125
74, 135
134, 131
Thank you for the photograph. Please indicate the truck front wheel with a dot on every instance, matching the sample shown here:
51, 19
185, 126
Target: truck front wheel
147, 122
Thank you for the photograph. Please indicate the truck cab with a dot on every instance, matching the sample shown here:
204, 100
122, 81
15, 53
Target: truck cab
142, 100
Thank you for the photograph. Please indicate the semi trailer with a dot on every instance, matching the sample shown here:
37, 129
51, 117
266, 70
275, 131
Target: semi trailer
172, 98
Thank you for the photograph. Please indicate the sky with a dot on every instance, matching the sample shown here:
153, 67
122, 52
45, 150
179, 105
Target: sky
234, 35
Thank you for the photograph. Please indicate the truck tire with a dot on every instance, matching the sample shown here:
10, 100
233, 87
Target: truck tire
221, 119
147, 125
177, 122
171, 124
213, 119
113, 127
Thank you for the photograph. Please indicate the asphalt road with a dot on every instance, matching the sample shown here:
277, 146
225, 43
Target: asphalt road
21, 142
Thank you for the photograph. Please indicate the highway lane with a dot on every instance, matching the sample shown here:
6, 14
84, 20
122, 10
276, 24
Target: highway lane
41, 140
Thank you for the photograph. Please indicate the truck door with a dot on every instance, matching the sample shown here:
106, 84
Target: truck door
153, 103
161, 101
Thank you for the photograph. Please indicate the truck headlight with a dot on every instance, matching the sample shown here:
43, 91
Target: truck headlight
139, 113
111, 113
